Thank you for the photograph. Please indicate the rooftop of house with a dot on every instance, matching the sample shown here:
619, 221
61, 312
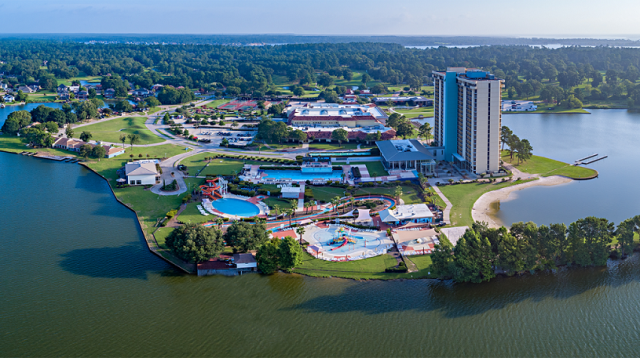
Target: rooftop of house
406, 212
141, 168
243, 259
404, 149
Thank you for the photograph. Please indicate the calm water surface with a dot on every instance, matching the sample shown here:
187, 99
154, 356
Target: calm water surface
568, 137
77, 280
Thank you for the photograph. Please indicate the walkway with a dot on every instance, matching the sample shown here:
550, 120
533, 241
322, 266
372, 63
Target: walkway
447, 211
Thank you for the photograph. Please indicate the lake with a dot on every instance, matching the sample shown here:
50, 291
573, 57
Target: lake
7, 110
568, 137
78, 280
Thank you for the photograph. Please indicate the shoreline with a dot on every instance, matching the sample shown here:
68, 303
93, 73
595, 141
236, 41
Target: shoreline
482, 208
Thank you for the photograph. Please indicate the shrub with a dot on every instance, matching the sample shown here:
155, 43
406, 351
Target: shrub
171, 214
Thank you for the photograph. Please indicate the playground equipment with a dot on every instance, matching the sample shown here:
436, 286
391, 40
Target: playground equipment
215, 188
342, 237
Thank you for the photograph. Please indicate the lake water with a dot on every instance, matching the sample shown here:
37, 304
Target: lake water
7, 110
78, 280
568, 137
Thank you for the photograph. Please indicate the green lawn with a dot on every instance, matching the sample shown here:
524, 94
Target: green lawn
326, 193
335, 146
547, 167
161, 235
216, 103
110, 131
410, 193
81, 77
376, 169
282, 203
15, 145
412, 113
220, 166
463, 196
367, 269
191, 215
149, 206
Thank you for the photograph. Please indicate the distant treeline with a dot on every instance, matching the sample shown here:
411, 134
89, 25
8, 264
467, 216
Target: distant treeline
482, 253
302, 39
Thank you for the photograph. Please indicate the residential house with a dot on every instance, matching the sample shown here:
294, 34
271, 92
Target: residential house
113, 151
74, 89
110, 93
142, 172
9, 98
142, 92
82, 95
3, 86
26, 89
245, 262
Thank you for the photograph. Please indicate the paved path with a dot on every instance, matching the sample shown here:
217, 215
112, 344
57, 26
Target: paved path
447, 211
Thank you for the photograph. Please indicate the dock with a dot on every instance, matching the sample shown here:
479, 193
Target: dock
581, 161
595, 160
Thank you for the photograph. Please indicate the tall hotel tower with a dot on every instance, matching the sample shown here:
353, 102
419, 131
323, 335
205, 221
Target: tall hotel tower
468, 118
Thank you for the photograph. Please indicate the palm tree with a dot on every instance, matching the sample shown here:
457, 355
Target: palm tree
300, 232
219, 222
307, 205
133, 139
276, 208
290, 212
294, 204
397, 193
335, 202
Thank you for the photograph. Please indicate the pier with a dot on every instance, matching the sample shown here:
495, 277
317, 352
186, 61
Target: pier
581, 161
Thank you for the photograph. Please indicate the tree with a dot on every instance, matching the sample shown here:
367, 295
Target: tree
69, 131
22, 117
298, 91
473, 258
397, 193
124, 106
590, 239
92, 93
340, 135
425, 131
524, 150
123, 138
442, 258
85, 136
98, 152
505, 134
225, 142
513, 142
245, 237
405, 128
52, 127
626, 231
195, 243
298, 135
11, 126
325, 80
290, 254
85, 151
276, 208
152, 102
133, 139
267, 256
300, 232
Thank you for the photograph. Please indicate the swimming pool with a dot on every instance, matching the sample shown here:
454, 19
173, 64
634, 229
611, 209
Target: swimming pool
236, 207
297, 175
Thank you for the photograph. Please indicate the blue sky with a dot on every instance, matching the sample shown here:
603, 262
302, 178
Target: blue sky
352, 17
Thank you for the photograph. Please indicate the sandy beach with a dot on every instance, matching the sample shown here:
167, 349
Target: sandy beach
482, 207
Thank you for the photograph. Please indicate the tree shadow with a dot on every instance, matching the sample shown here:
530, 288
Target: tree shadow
455, 300
127, 261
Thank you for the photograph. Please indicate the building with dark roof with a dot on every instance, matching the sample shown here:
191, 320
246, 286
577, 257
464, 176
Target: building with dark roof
407, 154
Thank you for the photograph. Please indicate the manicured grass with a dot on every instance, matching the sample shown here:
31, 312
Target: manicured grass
410, 193
355, 81
367, 269
216, 103
279, 146
110, 131
463, 196
191, 215
149, 206
375, 169
436, 199
219, 166
82, 77
282, 203
412, 113
326, 193
547, 167
161, 236
334, 146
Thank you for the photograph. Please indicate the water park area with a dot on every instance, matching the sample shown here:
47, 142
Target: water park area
217, 200
335, 242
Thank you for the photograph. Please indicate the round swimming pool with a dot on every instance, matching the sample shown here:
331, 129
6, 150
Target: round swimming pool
236, 207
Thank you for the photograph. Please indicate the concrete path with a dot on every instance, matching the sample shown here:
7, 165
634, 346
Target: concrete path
447, 211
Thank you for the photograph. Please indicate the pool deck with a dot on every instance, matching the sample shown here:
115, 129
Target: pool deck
256, 200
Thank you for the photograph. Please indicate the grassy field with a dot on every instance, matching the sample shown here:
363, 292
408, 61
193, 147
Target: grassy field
367, 269
110, 131
463, 196
282, 203
191, 215
376, 169
326, 193
334, 146
547, 167
81, 77
149, 206
15, 145
409, 192
412, 113
220, 166
216, 103
161, 235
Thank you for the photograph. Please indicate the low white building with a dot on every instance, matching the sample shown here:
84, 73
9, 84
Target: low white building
245, 261
518, 106
291, 192
402, 214
141, 172
9, 98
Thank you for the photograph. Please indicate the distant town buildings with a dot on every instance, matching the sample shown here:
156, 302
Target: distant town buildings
335, 115
518, 106
404, 101
468, 118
